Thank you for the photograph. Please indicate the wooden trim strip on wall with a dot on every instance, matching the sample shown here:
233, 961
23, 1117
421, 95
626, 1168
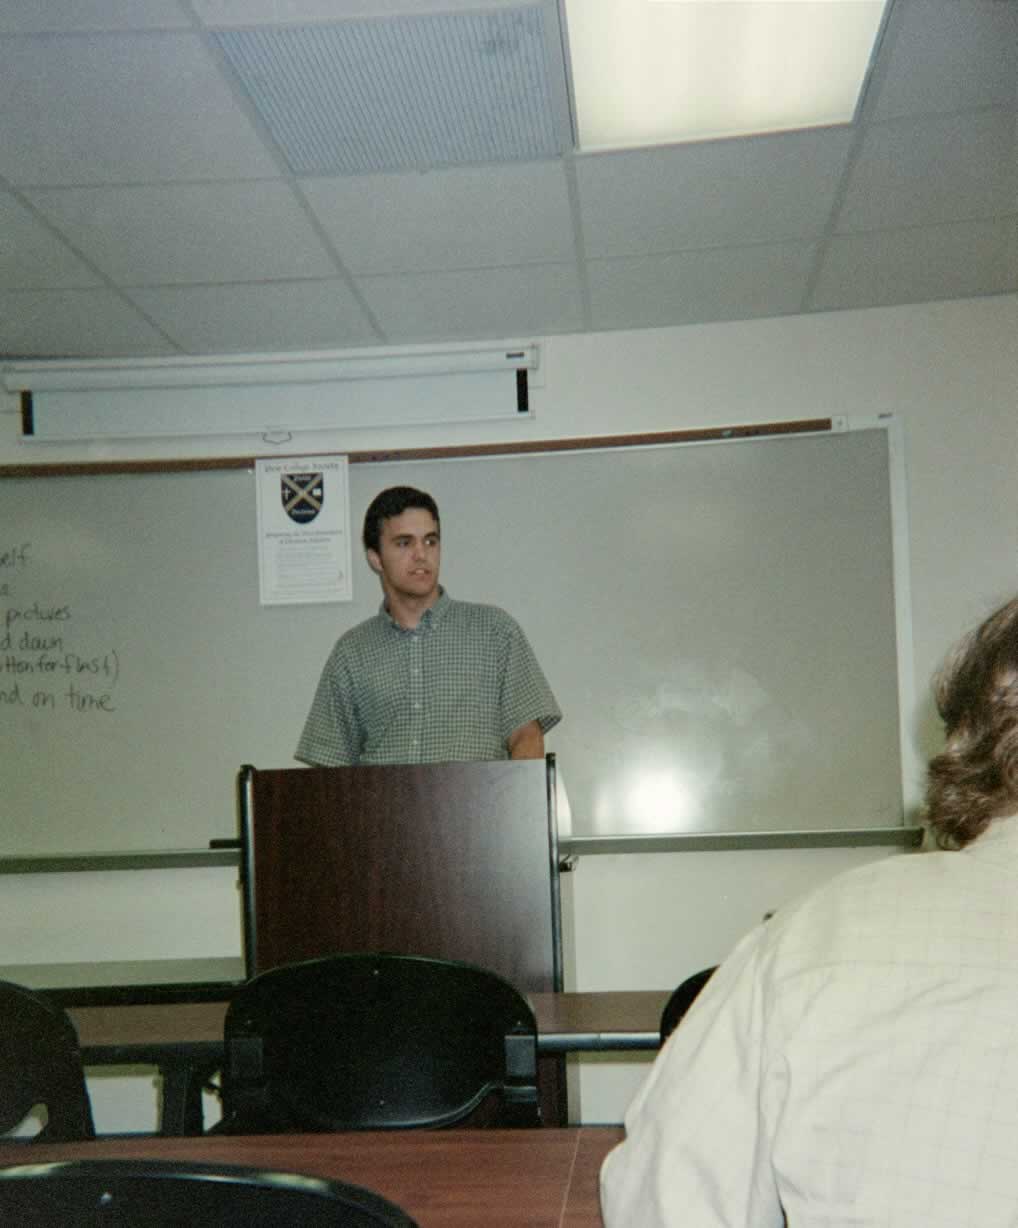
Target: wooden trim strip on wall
715, 434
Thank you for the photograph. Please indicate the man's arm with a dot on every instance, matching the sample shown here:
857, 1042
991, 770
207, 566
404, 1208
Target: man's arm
331, 736
527, 742
527, 704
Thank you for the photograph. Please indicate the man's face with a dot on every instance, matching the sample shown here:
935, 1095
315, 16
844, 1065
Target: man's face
408, 555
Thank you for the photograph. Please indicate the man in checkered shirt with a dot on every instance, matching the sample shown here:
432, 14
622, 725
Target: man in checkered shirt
427, 679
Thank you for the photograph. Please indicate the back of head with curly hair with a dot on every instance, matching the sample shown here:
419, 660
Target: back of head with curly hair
974, 780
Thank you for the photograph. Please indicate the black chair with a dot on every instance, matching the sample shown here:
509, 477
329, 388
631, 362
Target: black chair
681, 1000
161, 1194
375, 1041
40, 1063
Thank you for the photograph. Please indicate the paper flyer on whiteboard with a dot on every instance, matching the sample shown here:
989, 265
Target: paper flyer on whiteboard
303, 530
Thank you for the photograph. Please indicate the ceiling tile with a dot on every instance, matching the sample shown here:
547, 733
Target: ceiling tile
56, 16
949, 55
293, 315
75, 324
66, 16
183, 233
693, 287
31, 255
471, 304
228, 13
121, 109
913, 265
760, 189
464, 218
940, 169
403, 93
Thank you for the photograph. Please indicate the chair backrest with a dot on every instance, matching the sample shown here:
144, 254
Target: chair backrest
378, 1041
40, 1063
161, 1194
682, 998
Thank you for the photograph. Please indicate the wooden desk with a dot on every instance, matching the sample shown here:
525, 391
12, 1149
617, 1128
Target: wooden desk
185, 1039
443, 1178
596, 1021
566, 1022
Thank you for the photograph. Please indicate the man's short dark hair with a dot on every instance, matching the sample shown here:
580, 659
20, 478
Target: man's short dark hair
974, 780
393, 502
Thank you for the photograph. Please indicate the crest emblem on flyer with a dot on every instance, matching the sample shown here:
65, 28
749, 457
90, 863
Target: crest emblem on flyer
303, 495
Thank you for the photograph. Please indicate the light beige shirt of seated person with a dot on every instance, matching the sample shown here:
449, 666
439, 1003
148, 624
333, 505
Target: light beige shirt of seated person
853, 1064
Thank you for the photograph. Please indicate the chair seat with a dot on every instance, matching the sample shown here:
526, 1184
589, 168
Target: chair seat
163, 1194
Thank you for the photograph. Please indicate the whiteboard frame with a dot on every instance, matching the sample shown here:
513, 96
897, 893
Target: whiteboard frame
909, 834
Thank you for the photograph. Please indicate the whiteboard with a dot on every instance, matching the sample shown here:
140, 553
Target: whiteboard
717, 621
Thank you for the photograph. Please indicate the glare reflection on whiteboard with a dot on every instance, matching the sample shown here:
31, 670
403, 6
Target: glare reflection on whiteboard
663, 799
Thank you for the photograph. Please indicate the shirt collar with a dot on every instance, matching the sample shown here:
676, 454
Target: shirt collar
431, 616
999, 842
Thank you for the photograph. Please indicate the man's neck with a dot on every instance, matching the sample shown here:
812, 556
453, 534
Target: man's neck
408, 611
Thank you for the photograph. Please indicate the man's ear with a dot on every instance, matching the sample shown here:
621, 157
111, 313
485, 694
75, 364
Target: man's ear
374, 561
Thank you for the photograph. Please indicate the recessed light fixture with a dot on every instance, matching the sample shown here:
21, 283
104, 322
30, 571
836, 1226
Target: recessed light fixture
657, 72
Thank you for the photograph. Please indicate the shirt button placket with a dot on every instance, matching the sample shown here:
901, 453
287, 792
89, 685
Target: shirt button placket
416, 697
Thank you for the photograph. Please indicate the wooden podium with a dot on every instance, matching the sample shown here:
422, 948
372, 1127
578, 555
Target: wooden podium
454, 860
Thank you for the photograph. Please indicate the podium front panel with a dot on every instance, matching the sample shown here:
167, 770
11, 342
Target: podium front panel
455, 861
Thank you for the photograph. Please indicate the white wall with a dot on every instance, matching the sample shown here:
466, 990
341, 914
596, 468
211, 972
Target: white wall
948, 370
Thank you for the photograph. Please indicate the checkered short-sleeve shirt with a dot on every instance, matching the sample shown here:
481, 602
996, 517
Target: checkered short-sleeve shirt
452, 689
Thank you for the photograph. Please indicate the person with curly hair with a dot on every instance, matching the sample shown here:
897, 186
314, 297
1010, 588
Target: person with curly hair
854, 1062
974, 780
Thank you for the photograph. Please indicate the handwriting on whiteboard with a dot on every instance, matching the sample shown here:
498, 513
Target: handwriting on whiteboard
43, 668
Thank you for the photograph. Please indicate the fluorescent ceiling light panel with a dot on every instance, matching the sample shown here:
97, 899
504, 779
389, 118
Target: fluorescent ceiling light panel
657, 72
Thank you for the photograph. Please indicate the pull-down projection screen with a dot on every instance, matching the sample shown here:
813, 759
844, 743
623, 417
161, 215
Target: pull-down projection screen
718, 622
